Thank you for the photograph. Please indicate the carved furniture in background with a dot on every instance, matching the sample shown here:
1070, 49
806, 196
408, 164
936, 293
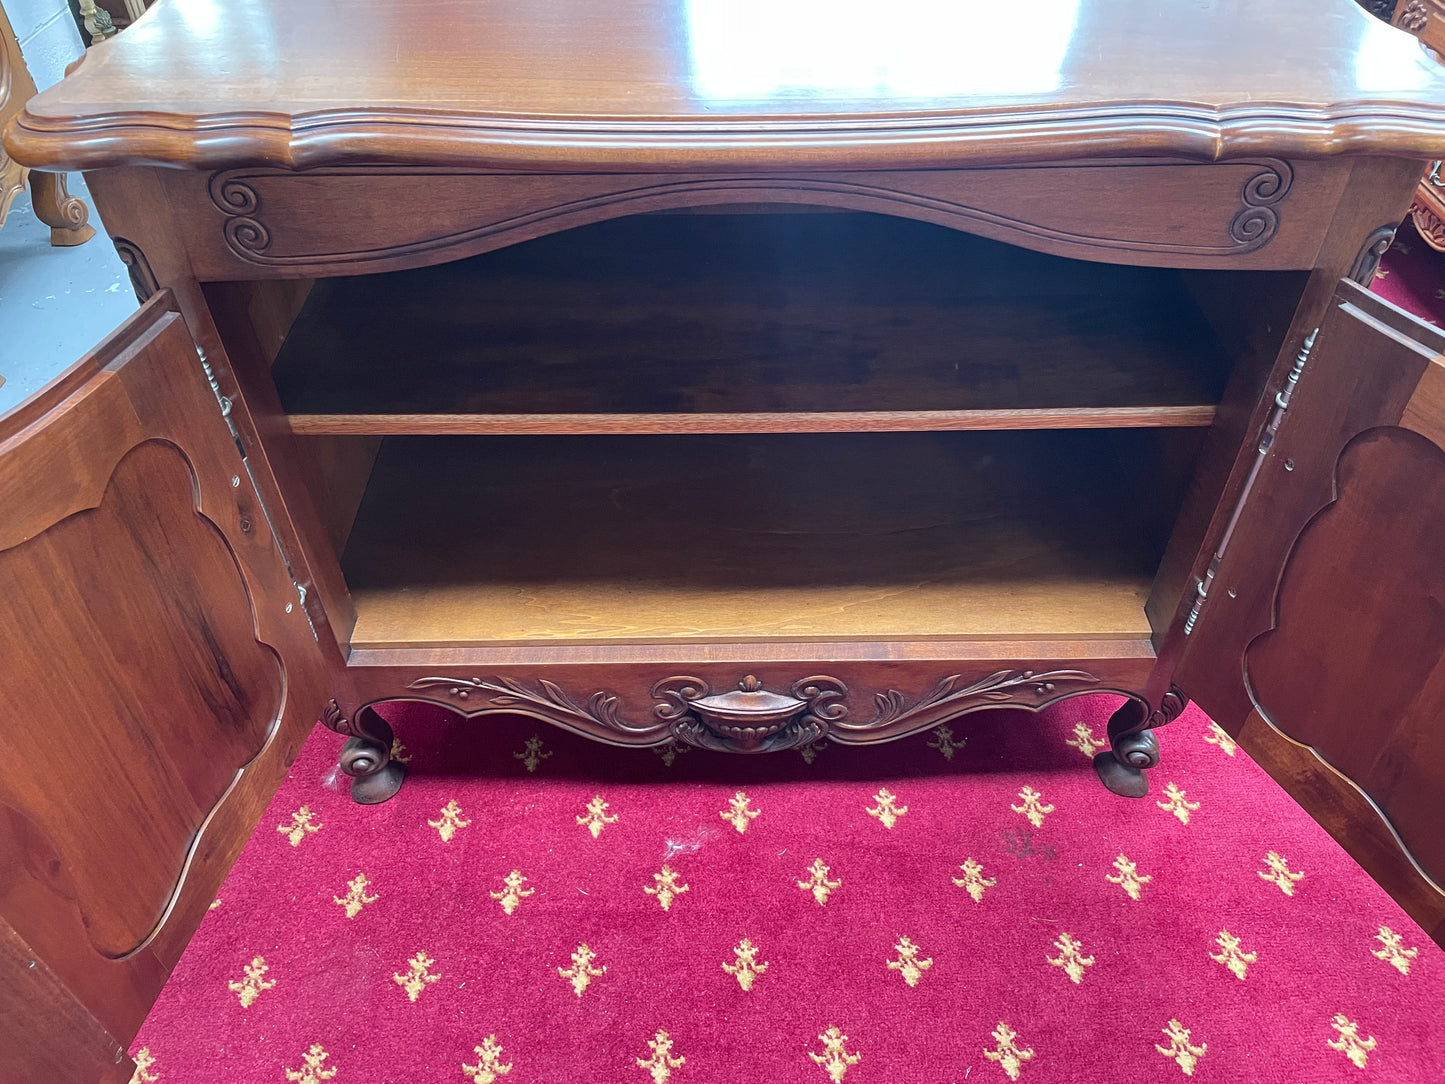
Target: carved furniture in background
102, 19
1426, 20
63, 213
1055, 389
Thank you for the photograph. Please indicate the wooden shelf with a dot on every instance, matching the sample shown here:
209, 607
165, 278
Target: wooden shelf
751, 323
595, 540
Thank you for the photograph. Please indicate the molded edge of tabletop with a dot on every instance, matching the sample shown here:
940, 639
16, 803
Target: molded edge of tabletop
659, 85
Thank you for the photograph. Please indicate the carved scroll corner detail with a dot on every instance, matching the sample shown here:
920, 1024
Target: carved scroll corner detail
334, 718
246, 235
1171, 705
142, 278
1258, 220
1375, 247
1415, 16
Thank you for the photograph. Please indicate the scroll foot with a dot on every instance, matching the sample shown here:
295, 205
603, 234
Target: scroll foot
372, 782
366, 756
66, 215
1134, 750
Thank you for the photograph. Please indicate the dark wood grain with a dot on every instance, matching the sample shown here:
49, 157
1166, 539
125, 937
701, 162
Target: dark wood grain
651, 83
1332, 591
159, 672
750, 323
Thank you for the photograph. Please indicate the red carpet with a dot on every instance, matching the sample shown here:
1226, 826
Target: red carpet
995, 915
1412, 275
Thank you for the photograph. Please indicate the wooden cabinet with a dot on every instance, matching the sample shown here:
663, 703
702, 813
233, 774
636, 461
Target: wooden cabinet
664, 403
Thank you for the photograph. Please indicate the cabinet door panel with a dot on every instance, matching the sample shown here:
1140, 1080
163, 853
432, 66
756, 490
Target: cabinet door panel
159, 671
1321, 643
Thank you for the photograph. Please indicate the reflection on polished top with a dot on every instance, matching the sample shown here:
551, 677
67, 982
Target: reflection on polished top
668, 83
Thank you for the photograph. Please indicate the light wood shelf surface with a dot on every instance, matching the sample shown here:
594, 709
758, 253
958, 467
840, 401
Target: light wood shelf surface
536, 540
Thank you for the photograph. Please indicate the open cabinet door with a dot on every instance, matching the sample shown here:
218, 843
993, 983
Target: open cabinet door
157, 670
1320, 643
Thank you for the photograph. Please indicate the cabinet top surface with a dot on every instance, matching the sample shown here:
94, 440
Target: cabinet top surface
567, 84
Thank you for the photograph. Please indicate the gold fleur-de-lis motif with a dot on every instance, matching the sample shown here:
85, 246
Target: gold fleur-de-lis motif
748, 967
661, 1063
1129, 878
489, 1062
1231, 955
596, 818
973, 879
449, 819
737, 813
669, 751
356, 897
581, 973
397, 749
908, 964
532, 753
818, 883
835, 1059
1217, 735
1071, 958
512, 893
1177, 804
418, 976
144, 1063
1184, 1053
254, 984
887, 810
300, 826
809, 753
1278, 873
1009, 1055
944, 743
311, 1071
1394, 951
1084, 740
1350, 1044
667, 888
1033, 807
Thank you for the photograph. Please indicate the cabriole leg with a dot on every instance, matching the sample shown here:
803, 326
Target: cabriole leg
66, 215
1133, 747
366, 756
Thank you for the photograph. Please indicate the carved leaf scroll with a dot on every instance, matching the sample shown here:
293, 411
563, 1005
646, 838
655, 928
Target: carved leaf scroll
752, 719
550, 701
894, 708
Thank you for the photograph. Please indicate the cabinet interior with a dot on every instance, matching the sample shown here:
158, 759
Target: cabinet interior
754, 427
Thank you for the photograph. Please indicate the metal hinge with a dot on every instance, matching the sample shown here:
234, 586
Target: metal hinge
1266, 441
225, 404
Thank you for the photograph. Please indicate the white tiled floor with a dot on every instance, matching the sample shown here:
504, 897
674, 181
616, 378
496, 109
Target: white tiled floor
55, 303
